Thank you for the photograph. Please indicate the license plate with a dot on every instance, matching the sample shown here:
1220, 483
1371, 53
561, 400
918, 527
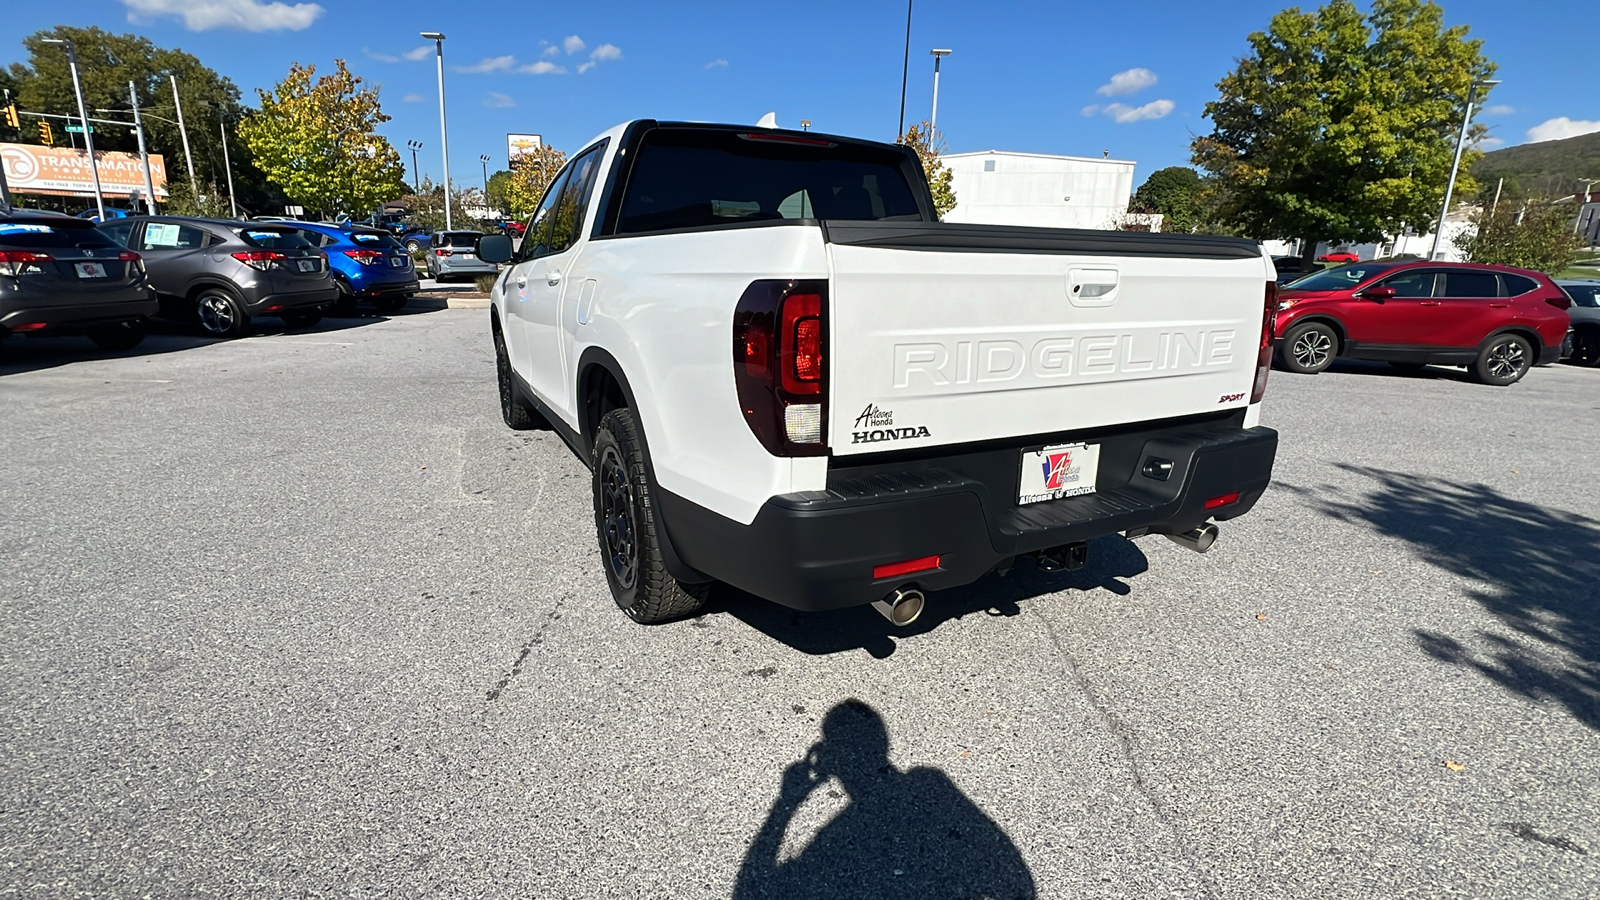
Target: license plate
1064, 470
306, 265
464, 255
90, 269
397, 262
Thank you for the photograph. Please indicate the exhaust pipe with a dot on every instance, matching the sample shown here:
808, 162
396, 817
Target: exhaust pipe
1197, 539
901, 607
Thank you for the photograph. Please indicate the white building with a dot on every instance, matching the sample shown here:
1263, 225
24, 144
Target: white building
997, 187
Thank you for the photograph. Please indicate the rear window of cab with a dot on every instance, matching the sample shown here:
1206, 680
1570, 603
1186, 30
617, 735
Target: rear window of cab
274, 239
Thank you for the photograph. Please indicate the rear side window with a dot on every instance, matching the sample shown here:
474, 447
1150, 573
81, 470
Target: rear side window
271, 239
38, 235
460, 238
373, 239
118, 231
697, 178
574, 201
1517, 285
171, 236
1470, 285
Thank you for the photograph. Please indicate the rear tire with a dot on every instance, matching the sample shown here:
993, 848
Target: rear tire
630, 548
518, 415
1504, 360
1585, 347
1308, 348
123, 336
301, 319
221, 314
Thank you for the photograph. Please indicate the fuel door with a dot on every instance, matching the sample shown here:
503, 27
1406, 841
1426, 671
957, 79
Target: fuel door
1092, 286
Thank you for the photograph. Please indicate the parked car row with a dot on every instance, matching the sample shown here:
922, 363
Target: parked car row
63, 275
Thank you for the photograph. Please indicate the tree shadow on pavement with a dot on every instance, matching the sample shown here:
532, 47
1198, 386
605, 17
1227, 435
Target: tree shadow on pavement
1111, 559
910, 833
1541, 567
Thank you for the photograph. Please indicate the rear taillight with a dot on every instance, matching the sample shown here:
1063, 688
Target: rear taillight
779, 336
1560, 301
441, 251
365, 257
16, 262
135, 261
1269, 315
258, 259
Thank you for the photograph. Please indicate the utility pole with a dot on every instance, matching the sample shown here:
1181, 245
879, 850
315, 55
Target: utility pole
444, 134
233, 208
83, 116
188, 158
144, 158
416, 176
485, 161
933, 120
1450, 186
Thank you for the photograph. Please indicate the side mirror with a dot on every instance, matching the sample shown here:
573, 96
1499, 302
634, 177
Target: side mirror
496, 248
1379, 294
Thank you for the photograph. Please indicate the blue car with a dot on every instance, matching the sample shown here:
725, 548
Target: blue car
366, 263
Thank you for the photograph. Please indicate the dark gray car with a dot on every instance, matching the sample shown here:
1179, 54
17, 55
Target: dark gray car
1585, 313
224, 272
59, 275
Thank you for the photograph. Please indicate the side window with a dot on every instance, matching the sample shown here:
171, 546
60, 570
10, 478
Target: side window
1470, 285
797, 206
574, 201
536, 241
1411, 284
118, 231
1517, 285
171, 236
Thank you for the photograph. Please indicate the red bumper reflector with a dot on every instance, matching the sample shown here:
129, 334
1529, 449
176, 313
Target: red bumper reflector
274, 308
923, 564
1222, 500
28, 326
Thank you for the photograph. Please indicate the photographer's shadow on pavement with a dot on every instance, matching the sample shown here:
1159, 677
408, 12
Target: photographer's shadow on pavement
910, 834
1112, 559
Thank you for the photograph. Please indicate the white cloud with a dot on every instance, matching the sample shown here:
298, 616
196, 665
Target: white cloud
542, 67
605, 52
499, 101
1561, 127
413, 98
1155, 109
1091, 109
246, 15
422, 52
584, 67
572, 44
551, 50
380, 57
1489, 143
490, 64
1499, 109
717, 64
1131, 81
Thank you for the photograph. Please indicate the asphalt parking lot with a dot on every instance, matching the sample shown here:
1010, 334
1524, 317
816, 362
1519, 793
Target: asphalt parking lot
295, 615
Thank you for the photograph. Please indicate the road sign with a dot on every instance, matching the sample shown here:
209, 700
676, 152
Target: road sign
78, 129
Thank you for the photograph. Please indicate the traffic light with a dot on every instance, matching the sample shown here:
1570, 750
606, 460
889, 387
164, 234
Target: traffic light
10, 116
47, 135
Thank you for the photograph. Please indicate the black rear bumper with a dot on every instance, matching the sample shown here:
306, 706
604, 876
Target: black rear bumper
817, 550
134, 305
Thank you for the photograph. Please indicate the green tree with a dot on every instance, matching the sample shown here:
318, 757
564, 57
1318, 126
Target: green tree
525, 183
106, 63
1340, 127
317, 140
1174, 192
930, 145
1533, 235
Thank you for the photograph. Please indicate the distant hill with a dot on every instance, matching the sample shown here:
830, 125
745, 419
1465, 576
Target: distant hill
1548, 167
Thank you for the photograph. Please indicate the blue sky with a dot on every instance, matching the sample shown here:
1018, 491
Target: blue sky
1023, 76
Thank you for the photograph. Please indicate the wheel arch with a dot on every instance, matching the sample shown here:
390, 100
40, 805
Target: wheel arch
204, 284
1522, 331
1333, 324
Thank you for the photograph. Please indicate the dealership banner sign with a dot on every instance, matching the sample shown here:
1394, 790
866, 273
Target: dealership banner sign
518, 144
36, 169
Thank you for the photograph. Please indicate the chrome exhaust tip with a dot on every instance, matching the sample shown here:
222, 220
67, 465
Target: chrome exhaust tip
902, 607
1198, 539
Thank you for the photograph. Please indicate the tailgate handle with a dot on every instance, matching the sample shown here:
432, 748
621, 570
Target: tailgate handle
1092, 286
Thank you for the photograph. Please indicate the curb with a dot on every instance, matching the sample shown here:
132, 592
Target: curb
467, 302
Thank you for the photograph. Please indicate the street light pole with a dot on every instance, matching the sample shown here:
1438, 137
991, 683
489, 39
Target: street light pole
416, 176
1450, 186
233, 208
188, 158
444, 135
485, 161
83, 116
144, 157
933, 120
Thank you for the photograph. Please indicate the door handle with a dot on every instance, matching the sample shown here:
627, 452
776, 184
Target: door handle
553, 277
1430, 303
1499, 305
522, 279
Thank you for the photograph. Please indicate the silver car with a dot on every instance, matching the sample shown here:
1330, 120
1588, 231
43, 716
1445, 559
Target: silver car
455, 254
1585, 313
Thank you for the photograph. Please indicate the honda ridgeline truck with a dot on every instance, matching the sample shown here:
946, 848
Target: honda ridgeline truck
786, 374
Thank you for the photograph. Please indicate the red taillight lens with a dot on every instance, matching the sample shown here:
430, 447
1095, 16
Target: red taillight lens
365, 257
1264, 355
15, 262
910, 566
780, 371
1222, 500
30, 326
1560, 301
135, 261
441, 251
258, 259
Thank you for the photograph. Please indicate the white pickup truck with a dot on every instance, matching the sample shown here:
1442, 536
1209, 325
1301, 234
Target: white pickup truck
787, 375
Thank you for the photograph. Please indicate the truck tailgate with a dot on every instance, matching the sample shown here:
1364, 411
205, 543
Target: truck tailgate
945, 334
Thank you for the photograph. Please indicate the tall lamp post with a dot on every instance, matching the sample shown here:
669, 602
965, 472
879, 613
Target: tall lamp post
83, 116
444, 136
485, 161
416, 175
933, 120
1450, 186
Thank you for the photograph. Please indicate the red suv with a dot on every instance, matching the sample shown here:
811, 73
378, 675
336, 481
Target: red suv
1495, 320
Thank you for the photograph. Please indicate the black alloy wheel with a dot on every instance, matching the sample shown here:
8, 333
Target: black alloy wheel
618, 520
518, 415
221, 315
1308, 348
1504, 360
